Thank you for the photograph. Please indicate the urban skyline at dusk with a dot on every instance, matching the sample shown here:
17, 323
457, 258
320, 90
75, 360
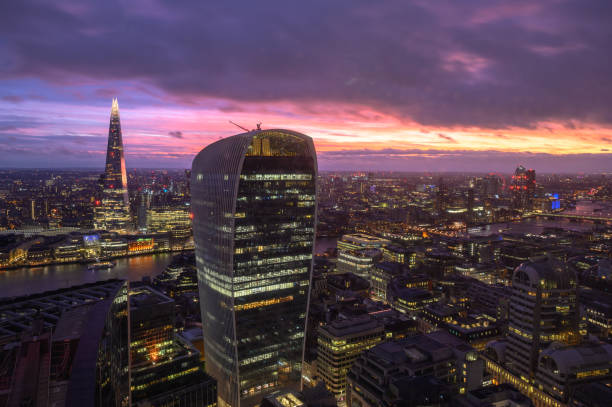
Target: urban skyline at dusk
418, 86
322, 203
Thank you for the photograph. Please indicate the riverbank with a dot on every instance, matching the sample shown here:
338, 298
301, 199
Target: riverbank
29, 280
89, 261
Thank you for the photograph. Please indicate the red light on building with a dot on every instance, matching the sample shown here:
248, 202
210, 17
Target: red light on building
97, 202
191, 215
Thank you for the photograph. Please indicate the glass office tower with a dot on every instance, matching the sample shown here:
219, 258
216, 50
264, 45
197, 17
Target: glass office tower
254, 214
113, 214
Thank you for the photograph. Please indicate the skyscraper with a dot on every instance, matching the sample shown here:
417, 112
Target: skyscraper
543, 310
523, 188
76, 355
254, 210
113, 213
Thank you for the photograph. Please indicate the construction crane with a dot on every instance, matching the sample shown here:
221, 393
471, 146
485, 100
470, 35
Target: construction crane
239, 126
244, 128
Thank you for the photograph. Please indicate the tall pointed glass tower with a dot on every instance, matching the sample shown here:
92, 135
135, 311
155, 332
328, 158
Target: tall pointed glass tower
254, 213
113, 213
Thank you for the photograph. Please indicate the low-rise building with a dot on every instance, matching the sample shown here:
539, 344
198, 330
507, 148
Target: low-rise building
502, 395
377, 371
382, 273
562, 368
359, 262
599, 318
359, 241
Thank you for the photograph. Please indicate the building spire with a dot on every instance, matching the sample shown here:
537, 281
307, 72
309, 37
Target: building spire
114, 213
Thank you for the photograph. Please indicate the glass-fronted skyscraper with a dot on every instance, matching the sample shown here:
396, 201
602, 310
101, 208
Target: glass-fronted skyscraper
254, 214
113, 213
523, 188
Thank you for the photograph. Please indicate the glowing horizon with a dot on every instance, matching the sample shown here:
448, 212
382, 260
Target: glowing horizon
443, 88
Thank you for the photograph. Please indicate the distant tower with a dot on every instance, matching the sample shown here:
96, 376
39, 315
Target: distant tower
470, 206
523, 188
113, 213
442, 198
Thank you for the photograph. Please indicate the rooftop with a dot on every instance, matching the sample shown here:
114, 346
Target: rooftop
145, 297
352, 326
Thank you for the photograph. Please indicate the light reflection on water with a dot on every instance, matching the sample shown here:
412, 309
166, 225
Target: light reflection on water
531, 226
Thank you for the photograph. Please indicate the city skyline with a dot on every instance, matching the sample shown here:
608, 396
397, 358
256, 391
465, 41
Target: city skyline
406, 87
306, 204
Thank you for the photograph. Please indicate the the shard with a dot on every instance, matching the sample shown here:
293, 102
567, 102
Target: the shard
113, 212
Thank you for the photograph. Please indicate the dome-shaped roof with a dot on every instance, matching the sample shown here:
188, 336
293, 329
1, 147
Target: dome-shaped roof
545, 271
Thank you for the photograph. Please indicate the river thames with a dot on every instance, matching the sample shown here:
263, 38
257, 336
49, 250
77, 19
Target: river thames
30, 280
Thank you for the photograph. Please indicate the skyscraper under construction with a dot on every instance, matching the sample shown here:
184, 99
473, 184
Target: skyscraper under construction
113, 212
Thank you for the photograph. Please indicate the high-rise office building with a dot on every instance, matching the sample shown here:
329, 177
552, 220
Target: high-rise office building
543, 310
339, 344
492, 186
113, 213
254, 210
165, 370
523, 188
67, 347
174, 220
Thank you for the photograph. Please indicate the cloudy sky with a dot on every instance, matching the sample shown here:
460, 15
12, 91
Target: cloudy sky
445, 85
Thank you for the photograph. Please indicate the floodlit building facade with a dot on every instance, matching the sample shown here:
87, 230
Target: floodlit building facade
254, 210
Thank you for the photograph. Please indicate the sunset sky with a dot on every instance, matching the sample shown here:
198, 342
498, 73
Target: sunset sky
471, 85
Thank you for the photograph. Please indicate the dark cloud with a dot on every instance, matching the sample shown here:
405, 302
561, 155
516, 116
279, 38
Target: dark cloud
461, 160
10, 122
175, 134
12, 98
447, 138
478, 63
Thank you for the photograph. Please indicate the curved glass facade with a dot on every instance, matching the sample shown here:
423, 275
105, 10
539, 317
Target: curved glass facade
254, 207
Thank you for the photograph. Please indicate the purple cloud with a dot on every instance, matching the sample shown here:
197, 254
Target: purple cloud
483, 63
